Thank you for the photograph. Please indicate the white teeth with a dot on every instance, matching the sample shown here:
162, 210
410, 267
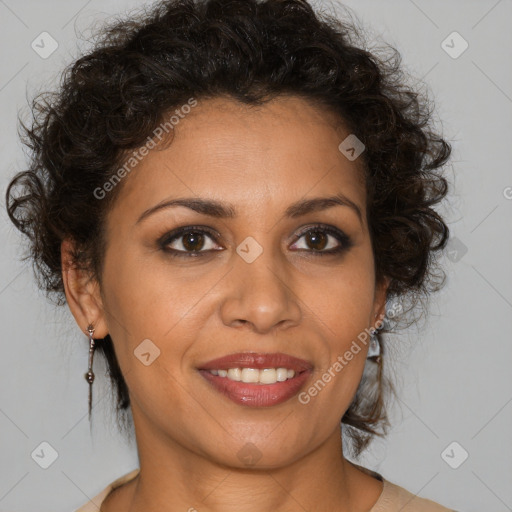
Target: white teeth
268, 376
281, 374
254, 375
235, 374
250, 375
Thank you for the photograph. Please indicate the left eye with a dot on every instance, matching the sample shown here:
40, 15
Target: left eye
317, 237
317, 240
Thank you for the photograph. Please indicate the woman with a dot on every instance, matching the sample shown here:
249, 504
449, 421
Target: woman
234, 200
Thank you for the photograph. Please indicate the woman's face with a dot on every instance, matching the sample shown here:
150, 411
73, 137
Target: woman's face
261, 280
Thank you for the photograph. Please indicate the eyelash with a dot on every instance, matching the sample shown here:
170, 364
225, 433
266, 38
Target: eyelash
345, 241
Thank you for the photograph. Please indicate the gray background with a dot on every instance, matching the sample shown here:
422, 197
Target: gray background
452, 371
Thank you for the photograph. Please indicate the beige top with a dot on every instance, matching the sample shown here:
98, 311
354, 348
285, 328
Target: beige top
392, 498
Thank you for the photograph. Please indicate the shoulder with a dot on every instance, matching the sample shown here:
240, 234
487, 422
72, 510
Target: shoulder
394, 498
93, 505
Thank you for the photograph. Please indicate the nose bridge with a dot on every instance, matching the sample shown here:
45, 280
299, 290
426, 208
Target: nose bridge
261, 293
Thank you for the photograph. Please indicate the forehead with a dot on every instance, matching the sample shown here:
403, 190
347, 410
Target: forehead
254, 156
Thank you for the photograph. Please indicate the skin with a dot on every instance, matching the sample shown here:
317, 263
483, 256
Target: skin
194, 310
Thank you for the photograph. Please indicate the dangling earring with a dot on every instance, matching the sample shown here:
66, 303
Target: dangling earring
89, 376
374, 350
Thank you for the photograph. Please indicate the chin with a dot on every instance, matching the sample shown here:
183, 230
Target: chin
258, 453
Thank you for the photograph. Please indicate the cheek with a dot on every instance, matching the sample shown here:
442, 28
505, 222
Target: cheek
342, 309
156, 309
333, 386
147, 296
344, 298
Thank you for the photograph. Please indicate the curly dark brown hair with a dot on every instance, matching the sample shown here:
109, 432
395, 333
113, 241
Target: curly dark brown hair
141, 68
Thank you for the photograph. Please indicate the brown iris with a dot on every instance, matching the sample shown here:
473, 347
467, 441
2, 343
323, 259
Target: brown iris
193, 241
316, 239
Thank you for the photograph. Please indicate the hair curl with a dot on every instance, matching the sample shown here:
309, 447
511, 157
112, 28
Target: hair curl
111, 99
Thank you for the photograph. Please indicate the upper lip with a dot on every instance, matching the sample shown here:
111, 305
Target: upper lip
258, 361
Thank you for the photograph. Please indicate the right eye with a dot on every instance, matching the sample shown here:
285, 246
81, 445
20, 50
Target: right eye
188, 242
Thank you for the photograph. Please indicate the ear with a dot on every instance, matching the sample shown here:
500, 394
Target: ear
82, 293
379, 305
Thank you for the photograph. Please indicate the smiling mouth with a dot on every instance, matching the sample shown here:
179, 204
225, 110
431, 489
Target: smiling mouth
256, 394
257, 380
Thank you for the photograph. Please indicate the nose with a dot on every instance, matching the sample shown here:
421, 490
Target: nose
260, 295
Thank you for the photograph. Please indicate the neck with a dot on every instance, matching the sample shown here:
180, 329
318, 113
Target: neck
175, 478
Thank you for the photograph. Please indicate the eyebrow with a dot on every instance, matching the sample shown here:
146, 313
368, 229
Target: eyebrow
220, 210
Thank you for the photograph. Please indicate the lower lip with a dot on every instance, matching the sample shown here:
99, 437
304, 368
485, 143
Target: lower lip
256, 395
